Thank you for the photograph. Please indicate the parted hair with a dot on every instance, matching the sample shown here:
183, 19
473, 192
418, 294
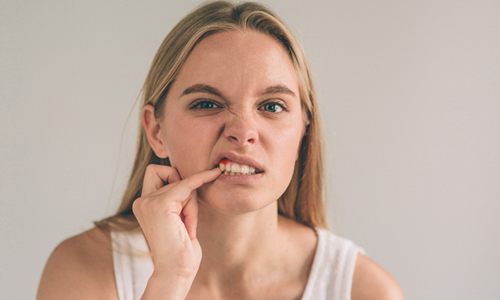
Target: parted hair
303, 200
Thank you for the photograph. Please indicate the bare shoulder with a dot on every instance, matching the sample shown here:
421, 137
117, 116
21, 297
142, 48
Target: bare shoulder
80, 267
301, 235
371, 281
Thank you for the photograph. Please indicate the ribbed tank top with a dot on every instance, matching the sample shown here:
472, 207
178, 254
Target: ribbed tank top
330, 277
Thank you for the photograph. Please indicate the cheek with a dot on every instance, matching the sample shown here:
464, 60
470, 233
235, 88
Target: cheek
287, 138
188, 143
282, 148
285, 145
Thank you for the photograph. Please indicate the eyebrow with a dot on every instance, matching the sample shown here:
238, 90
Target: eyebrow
202, 88
278, 89
205, 88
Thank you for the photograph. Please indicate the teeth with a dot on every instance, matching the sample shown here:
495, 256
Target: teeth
232, 168
235, 168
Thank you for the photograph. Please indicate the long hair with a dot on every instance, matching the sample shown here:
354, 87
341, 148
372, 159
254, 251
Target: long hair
303, 200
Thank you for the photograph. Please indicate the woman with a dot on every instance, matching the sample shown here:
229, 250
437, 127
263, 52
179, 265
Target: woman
228, 165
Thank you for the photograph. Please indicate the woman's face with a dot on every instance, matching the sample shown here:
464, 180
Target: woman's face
237, 97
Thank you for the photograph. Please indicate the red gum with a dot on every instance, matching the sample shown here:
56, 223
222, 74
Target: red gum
225, 161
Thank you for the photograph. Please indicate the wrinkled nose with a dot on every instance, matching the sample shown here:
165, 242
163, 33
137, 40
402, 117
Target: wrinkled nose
240, 129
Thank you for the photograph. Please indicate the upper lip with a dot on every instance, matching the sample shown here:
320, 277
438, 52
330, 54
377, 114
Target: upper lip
240, 159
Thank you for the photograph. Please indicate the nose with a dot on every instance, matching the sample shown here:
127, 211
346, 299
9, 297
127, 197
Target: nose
241, 129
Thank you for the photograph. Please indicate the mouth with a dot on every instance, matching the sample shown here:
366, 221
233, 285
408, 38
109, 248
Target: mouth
232, 168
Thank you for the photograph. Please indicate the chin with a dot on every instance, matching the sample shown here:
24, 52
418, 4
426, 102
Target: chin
237, 201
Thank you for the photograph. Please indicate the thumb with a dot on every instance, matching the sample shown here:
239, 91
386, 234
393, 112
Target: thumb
190, 215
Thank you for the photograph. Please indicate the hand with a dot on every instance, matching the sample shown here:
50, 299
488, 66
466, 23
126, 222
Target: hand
168, 216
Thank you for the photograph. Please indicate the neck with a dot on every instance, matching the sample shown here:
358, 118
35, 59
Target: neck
237, 248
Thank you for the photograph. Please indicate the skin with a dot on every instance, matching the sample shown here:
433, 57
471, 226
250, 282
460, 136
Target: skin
249, 252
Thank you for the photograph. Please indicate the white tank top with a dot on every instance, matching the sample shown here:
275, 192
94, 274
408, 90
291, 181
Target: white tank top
330, 277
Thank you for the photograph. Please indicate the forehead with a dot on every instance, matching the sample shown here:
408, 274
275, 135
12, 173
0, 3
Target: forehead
238, 62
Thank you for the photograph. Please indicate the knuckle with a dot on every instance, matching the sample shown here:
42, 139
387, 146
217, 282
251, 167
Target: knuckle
150, 168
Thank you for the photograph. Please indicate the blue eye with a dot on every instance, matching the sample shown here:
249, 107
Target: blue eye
274, 107
205, 104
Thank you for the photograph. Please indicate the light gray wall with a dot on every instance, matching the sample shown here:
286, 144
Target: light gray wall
409, 94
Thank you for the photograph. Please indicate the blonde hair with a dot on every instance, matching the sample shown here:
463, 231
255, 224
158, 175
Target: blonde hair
303, 200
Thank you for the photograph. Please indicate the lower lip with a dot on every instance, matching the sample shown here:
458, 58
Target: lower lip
240, 179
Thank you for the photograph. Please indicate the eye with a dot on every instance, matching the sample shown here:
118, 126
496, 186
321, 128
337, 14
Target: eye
205, 104
274, 107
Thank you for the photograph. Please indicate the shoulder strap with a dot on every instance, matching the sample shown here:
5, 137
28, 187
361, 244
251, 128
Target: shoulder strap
333, 268
132, 264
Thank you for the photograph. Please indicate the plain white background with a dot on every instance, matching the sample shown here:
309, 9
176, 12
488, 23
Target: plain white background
410, 99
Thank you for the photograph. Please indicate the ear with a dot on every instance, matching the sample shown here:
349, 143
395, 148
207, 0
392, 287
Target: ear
152, 130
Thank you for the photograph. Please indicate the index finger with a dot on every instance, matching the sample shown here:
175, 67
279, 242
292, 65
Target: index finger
186, 186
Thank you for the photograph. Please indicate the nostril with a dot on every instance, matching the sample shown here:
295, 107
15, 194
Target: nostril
241, 132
